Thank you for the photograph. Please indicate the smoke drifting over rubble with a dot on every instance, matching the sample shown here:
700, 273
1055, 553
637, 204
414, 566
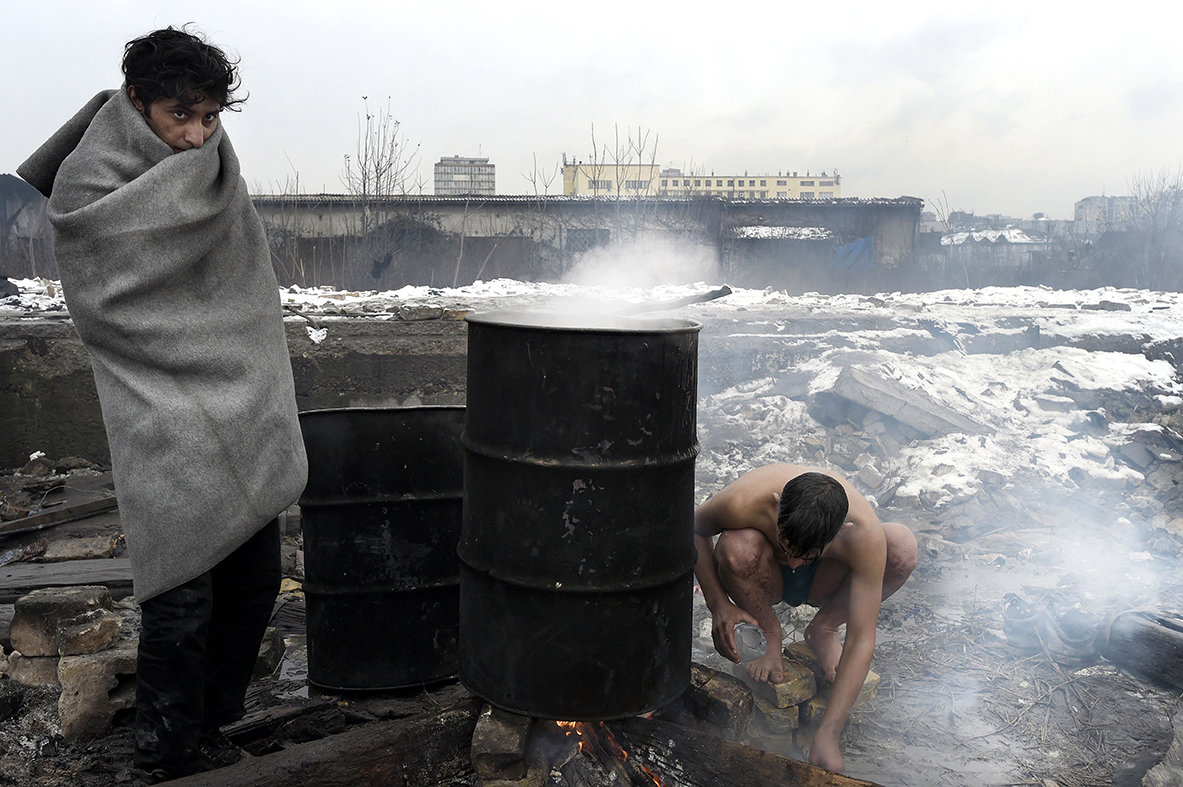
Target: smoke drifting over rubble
644, 263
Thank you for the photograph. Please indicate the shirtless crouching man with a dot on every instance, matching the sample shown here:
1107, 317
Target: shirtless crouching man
801, 535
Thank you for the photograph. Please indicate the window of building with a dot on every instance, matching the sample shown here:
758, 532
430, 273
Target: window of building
751, 183
731, 183
718, 183
763, 183
782, 183
825, 183
599, 185
698, 182
664, 183
806, 195
826, 194
763, 195
806, 183
636, 185
781, 194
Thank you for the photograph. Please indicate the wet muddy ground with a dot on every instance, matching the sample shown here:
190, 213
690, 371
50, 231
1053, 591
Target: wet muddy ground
958, 703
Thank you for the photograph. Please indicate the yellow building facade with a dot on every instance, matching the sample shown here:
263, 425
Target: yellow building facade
675, 183
634, 180
610, 180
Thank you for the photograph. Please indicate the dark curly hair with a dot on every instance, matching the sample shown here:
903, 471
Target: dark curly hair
176, 64
813, 507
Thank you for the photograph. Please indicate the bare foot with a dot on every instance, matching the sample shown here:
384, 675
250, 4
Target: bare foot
826, 646
769, 668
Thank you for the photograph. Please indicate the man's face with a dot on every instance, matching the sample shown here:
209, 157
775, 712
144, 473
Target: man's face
792, 557
182, 128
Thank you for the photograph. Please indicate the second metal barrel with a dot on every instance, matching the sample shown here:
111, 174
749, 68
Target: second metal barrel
381, 518
577, 548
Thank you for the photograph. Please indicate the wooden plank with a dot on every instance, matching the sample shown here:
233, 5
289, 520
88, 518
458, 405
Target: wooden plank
6, 613
422, 750
57, 516
1148, 643
17, 579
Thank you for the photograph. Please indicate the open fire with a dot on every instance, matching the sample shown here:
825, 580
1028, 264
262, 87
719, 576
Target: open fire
595, 741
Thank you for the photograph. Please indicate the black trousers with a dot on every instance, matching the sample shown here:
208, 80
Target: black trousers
198, 645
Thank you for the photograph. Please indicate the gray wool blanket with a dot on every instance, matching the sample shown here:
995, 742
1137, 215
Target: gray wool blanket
167, 276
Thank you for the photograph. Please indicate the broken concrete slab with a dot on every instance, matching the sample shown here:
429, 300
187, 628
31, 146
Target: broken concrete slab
83, 548
38, 615
874, 390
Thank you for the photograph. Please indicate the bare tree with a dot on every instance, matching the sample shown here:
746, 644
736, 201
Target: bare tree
1157, 215
385, 164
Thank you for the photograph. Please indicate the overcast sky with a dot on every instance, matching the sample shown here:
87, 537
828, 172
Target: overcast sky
1012, 108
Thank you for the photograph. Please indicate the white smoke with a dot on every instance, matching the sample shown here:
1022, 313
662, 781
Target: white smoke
648, 261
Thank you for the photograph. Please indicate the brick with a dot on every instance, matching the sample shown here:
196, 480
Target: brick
798, 686
37, 616
813, 710
779, 721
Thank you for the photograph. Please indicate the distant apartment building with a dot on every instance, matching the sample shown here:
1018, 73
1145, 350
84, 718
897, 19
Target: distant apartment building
1094, 216
790, 185
609, 180
459, 176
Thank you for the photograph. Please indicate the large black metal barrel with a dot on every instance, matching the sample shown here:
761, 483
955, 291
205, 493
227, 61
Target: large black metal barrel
577, 546
381, 517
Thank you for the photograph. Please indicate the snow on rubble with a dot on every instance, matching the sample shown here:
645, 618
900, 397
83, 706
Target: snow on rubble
1009, 356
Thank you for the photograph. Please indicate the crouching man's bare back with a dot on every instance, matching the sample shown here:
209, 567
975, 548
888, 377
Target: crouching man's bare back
801, 535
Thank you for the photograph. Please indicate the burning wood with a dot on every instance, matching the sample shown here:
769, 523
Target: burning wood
596, 742
644, 752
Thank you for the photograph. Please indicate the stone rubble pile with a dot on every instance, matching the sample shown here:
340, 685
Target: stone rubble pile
76, 639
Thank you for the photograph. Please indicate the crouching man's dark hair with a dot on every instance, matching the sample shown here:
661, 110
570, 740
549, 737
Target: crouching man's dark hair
813, 507
175, 64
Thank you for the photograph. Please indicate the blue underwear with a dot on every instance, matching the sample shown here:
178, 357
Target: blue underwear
797, 583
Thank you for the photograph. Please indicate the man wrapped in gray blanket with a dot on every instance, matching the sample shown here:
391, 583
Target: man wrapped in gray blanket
167, 276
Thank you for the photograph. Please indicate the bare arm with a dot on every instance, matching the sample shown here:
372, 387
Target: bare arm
708, 522
865, 551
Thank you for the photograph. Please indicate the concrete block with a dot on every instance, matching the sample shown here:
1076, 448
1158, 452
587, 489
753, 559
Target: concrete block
89, 632
96, 686
499, 744
39, 671
38, 616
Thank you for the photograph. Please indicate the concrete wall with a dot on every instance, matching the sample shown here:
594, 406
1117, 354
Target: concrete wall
454, 241
48, 401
